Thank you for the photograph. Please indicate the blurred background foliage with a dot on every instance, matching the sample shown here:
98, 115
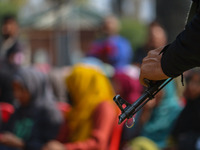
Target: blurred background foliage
11, 7
80, 19
135, 31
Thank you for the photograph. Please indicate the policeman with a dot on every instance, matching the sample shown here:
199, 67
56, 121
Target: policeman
177, 57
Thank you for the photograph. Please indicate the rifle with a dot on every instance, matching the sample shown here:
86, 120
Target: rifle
130, 110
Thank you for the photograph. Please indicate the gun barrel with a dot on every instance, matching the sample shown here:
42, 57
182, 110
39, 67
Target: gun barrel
130, 111
148, 94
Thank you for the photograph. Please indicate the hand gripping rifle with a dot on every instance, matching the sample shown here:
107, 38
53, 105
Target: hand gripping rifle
128, 110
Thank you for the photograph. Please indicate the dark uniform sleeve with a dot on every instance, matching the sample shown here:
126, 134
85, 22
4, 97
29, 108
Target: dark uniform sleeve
184, 53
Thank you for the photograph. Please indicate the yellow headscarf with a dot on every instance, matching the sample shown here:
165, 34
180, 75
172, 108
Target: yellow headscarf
87, 87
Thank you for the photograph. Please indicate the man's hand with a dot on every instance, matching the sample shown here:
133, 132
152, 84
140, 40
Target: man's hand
151, 67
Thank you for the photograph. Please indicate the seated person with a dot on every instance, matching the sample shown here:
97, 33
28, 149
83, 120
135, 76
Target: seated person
157, 118
187, 129
36, 120
90, 122
126, 83
166, 108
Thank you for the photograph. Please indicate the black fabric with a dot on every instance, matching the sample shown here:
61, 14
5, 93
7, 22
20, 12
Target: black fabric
195, 1
187, 128
15, 48
184, 52
7, 72
6, 90
139, 55
40, 121
2, 147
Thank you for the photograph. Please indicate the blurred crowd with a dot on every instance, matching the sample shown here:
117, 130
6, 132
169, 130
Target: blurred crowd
72, 108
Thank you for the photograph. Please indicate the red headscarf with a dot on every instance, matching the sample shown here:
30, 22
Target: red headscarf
128, 87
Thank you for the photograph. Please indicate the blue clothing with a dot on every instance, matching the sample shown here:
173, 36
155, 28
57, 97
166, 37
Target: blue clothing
115, 50
163, 117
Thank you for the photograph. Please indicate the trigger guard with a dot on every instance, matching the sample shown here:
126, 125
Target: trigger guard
120, 101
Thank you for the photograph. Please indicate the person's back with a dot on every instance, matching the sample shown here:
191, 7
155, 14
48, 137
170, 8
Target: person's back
90, 122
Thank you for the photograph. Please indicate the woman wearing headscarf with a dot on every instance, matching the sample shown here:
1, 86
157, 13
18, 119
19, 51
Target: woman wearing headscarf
36, 120
126, 83
161, 116
127, 86
92, 117
186, 133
